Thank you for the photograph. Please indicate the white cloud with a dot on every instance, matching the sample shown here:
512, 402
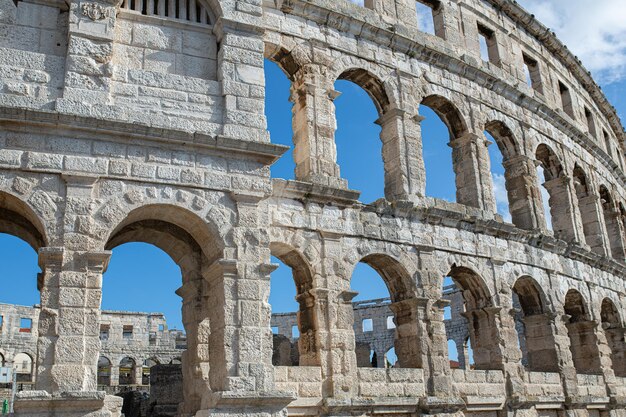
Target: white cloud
502, 199
593, 31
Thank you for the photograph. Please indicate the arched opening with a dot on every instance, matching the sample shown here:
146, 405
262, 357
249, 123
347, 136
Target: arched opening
468, 353
360, 139
443, 154
554, 192
21, 237
278, 112
391, 359
588, 209
104, 371
292, 305
183, 250
147, 366
23, 367
507, 171
383, 288
581, 332
453, 355
534, 328
611, 220
480, 319
615, 333
128, 372
2, 360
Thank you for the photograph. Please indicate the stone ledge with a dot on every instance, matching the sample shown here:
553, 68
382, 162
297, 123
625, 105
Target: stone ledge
266, 153
305, 191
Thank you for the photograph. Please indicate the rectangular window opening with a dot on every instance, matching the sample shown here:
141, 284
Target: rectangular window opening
430, 17
1, 321
295, 332
533, 76
566, 100
275, 329
161, 327
104, 332
26, 325
390, 323
607, 142
591, 125
488, 45
368, 325
127, 332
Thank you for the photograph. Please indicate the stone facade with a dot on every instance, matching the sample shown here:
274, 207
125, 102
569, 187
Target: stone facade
144, 121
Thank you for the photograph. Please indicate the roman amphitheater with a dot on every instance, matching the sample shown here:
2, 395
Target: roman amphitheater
143, 121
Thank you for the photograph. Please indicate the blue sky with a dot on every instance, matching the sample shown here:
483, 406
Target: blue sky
143, 278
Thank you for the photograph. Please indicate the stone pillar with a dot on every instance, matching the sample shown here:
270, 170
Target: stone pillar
69, 344
314, 126
484, 337
615, 231
523, 192
584, 346
542, 356
240, 72
615, 337
88, 67
471, 171
138, 372
308, 322
565, 362
241, 342
562, 208
115, 375
408, 346
593, 226
195, 359
402, 155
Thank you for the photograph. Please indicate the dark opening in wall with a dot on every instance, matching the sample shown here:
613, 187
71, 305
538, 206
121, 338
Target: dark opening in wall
607, 142
488, 45
591, 124
533, 74
430, 17
566, 100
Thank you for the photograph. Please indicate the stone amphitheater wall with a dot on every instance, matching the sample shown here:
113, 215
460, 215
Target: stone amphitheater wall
144, 121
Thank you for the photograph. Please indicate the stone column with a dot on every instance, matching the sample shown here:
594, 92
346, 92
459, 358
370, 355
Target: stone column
593, 226
308, 322
195, 359
89, 68
540, 343
115, 375
69, 344
523, 192
471, 171
615, 231
616, 339
240, 72
138, 372
402, 154
314, 126
562, 207
241, 345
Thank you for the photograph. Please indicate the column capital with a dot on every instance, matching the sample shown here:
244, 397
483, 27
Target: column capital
51, 257
98, 260
466, 139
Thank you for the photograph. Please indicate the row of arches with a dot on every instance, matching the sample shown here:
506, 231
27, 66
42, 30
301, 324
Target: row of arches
493, 166
128, 371
535, 323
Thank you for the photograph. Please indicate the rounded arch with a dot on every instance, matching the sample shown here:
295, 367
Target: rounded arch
609, 314
505, 139
449, 114
289, 57
394, 274
531, 297
18, 219
605, 197
475, 291
575, 306
551, 164
371, 84
581, 183
302, 272
157, 223
104, 371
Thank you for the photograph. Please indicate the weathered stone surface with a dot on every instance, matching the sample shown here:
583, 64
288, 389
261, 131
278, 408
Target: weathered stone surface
148, 124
